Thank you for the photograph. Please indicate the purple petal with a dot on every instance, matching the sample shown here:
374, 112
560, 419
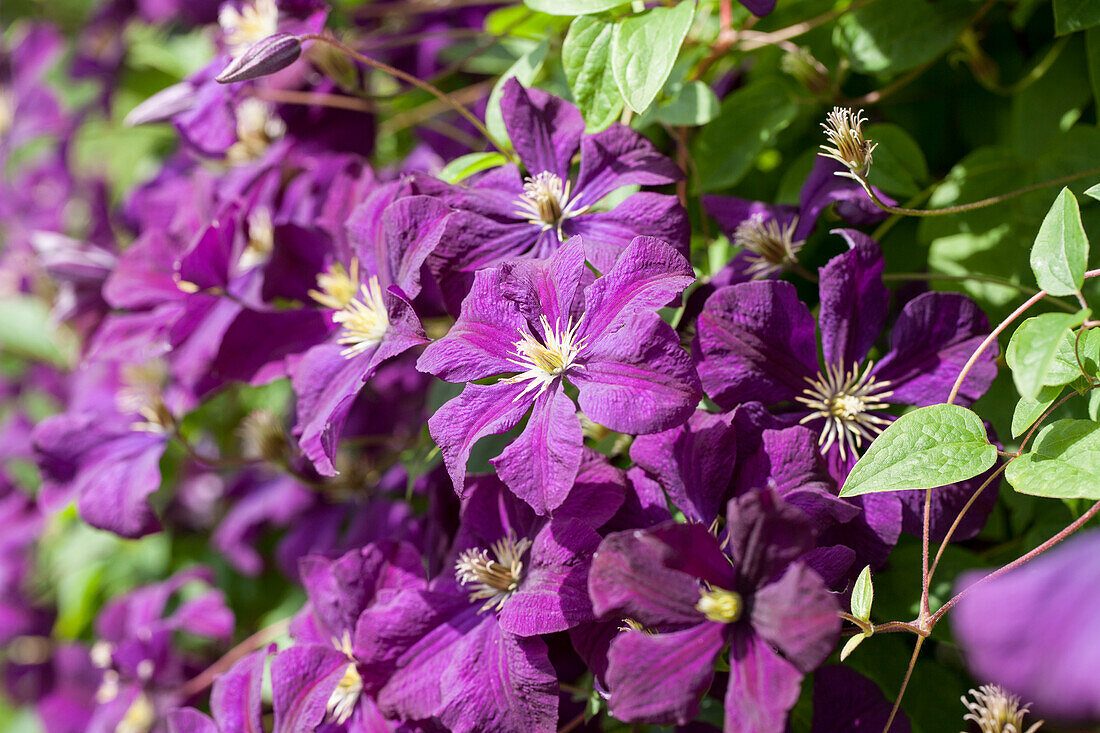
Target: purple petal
763, 687
303, 679
600, 490
541, 465
482, 341
554, 593
326, 384
755, 341
607, 233
692, 549
479, 411
692, 462
660, 678
116, 483
617, 157
931, 341
499, 683
412, 229
236, 697
798, 615
730, 212
766, 534
547, 287
638, 380
847, 702
823, 187
189, 720
853, 300
545, 130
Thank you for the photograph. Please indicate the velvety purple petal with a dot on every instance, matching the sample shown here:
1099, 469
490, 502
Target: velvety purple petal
117, 481
835, 564
766, 534
694, 463
931, 341
541, 464
276, 502
554, 593
545, 130
660, 678
236, 697
189, 720
617, 157
875, 533
479, 411
639, 380
692, 549
412, 229
763, 687
759, 8
630, 579
607, 233
499, 683
600, 490
303, 679
847, 702
647, 276
853, 300
755, 341
205, 615
1055, 663
547, 287
482, 341
298, 255
208, 262
491, 512
798, 615
730, 211
326, 385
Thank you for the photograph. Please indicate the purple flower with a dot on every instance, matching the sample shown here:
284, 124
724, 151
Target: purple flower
236, 701
504, 215
684, 602
545, 321
371, 302
757, 341
1033, 630
847, 702
467, 650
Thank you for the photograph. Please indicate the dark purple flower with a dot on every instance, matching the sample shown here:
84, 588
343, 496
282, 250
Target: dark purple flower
685, 602
545, 321
236, 700
503, 215
1033, 630
757, 341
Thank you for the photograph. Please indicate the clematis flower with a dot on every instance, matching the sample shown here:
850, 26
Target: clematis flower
503, 214
684, 602
467, 651
236, 701
1033, 630
756, 341
370, 300
538, 323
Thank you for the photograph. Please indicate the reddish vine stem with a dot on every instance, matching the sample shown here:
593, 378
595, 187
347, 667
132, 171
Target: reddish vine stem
205, 678
904, 683
962, 513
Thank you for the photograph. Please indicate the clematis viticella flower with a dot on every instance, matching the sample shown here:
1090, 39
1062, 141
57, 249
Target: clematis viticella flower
503, 214
370, 300
757, 342
686, 597
542, 322
467, 651
236, 700
1033, 631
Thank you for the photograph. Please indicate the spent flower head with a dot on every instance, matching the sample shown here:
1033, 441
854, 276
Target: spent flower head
994, 710
847, 144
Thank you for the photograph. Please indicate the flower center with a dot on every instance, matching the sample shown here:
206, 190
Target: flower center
545, 201
542, 362
337, 286
845, 400
341, 704
141, 392
7, 110
723, 606
364, 319
996, 711
844, 131
493, 576
139, 717
261, 240
257, 128
254, 22
770, 245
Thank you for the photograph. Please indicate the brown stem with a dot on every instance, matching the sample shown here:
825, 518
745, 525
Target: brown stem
418, 115
573, 724
904, 684
264, 636
755, 39
929, 276
962, 513
313, 99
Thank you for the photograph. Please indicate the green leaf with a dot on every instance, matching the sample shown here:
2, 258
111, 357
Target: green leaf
573, 7
694, 105
895, 36
525, 69
644, 48
863, 595
1094, 405
1063, 463
747, 121
923, 449
586, 56
1028, 411
467, 165
26, 331
899, 165
1034, 346
1061, 248
1075, 15
517, 21
851, 645
1093, 191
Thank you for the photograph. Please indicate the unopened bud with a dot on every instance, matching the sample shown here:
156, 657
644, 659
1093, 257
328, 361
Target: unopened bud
272, 54
163, 105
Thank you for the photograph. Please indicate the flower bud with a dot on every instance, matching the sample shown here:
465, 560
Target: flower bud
163, 105
272, 54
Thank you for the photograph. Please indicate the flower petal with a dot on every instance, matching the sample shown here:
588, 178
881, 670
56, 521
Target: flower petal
853, 300
798, 615
303, 679
763, 687
607, 233
545, 130
617, 157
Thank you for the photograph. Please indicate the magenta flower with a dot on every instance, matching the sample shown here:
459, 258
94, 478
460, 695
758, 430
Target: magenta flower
543, 322
685, 600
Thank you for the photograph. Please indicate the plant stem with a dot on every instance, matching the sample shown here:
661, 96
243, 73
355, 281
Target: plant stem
418, 83
962, 513
904, 684
264, 636
929, 276
314, 99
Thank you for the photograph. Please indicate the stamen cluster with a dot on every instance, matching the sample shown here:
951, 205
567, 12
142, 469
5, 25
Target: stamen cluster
493, 574
845, 400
